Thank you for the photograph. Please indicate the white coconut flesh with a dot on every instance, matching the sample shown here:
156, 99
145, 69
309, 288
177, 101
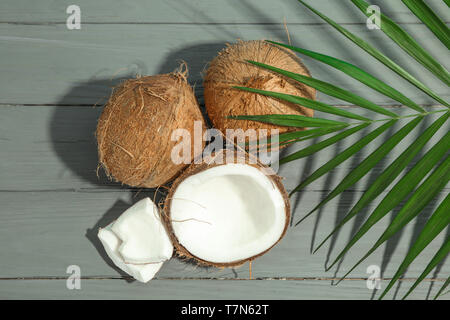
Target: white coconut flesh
227, 213
141, 272
137, 241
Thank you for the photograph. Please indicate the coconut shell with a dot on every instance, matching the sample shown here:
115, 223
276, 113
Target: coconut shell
134, 130
239, 157
229, 69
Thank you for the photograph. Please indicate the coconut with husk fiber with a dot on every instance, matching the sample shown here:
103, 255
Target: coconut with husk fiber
230, 68
134, 130
226, 210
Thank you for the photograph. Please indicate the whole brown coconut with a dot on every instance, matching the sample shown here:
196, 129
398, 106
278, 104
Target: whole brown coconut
229, 69
134, 130
204, 222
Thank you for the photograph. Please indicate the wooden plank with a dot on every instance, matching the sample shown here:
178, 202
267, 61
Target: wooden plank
54, 148
199, 11
52, 203
209, 289
42, 233
47, 64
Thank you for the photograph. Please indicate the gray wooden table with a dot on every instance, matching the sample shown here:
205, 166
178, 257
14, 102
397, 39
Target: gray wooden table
52, 203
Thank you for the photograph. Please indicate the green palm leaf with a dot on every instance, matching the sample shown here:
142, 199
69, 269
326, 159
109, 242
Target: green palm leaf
401, 189
329, 89
379, 56
441, 291
430, 19
323, 144
358, 74
290, 120
314, 133
438, 222
421, 197
295, 136
417, 186
407, 43
443, 251
364, 167
341, 157
298, 135
306, 134
390, 173
308, 103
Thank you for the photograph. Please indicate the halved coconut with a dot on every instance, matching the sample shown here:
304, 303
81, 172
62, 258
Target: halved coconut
220, 213
226, 214
137, 242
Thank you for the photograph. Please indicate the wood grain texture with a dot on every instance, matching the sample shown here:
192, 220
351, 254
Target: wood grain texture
201, 11
44, 232
52, 202
54, 148
48, 64
208, 289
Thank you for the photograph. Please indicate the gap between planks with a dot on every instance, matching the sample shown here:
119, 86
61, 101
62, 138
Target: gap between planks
5, 104
130, 189
37, 23
224, 279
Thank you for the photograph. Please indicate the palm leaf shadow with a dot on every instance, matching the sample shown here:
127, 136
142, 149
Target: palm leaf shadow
438, 268
190, 11
278, 33
329, 180
347, 200
72, 129
306, 171
392, 243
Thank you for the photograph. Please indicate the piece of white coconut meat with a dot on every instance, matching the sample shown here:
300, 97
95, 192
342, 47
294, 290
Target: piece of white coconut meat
137, 241
227, 213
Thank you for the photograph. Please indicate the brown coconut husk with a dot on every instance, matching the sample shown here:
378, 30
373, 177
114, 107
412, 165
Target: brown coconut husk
135, 127
229, 69
239, 157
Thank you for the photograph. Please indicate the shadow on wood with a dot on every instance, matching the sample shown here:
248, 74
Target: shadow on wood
69, 129
110, 216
